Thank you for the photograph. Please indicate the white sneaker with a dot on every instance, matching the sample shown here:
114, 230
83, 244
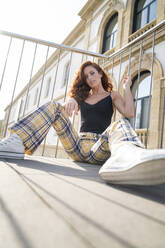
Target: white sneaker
134, 165
12, 147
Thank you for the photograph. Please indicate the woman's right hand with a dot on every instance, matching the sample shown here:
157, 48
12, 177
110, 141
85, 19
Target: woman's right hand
71, 106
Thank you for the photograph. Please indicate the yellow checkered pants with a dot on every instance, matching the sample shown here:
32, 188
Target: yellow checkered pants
85, 147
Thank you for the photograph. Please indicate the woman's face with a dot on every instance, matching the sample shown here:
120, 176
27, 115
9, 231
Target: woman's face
92, 76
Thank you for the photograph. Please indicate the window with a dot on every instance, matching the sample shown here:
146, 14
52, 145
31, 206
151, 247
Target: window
12, 114
28, 102
110, 33
144, 12
21, 108
66, 75
142, 95
36, 96
47, 87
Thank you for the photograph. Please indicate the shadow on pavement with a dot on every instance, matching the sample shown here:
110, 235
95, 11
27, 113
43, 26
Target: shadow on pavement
90, 172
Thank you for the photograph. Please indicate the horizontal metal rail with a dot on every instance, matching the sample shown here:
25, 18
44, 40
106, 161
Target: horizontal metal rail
53, 44
141, 37
77, 50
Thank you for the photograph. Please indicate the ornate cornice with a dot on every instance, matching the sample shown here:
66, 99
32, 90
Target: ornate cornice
116, 4
88, 8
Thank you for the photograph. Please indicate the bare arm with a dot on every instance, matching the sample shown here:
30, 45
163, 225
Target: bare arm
124, 106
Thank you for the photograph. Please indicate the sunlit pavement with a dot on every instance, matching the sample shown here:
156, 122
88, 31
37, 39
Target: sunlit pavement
48, 203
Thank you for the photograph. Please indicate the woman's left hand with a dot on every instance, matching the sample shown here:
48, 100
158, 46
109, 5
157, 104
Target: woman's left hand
127, 82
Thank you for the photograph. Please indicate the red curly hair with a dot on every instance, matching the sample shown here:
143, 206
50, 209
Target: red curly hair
80, 89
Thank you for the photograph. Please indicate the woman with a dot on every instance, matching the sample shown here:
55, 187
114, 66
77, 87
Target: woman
115, 145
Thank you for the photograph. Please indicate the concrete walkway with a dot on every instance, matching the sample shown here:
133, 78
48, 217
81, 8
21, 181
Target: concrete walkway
49, 203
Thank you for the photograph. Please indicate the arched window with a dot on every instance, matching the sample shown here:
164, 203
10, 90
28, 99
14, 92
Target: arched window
47, 90
36, 96
142, 93
66, 74
28, 102
144, 12
21, 109
110, 33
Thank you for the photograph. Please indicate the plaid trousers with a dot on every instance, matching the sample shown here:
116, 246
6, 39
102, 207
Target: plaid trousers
84, 147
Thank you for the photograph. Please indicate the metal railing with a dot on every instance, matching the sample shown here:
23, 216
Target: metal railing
53, 62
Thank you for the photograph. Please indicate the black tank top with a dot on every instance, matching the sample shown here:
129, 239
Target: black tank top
96, 117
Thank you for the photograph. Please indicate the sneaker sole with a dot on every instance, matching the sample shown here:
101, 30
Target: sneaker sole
146, 173
12, 155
